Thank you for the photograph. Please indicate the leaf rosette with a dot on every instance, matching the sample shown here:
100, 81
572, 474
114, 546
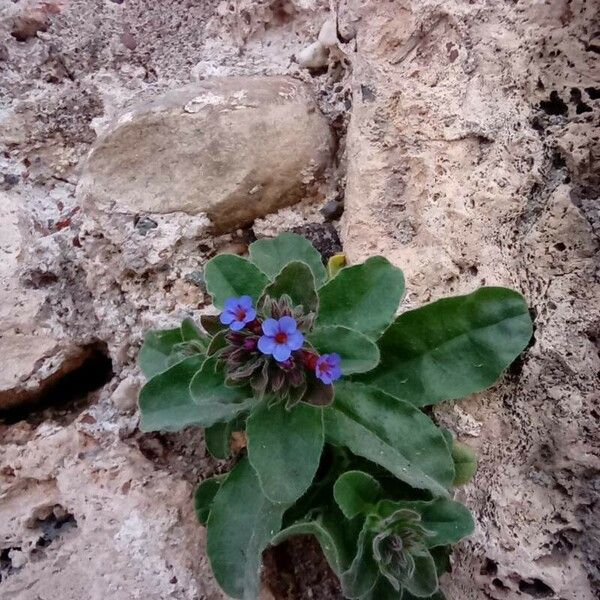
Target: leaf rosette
313, 362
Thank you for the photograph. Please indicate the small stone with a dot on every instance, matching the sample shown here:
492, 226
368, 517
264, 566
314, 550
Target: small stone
219, 147
28, 25
125, 395
145, 224
314, 56
332, 210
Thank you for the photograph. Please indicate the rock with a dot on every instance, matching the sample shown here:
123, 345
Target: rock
27, 25
323, 236
332, 210
233, 148
313, 56
126, 393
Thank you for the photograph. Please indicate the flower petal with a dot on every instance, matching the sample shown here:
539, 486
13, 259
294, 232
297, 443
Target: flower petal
270, 327
226, 317
245, 302
281, 352
231, 304
250, 315
266, 344
295, 340
237, 325
288, 324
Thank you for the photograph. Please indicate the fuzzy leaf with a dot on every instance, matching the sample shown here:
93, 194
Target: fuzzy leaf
229, 275
217, 439
360, 578
449, 520
297, 281
391, 433
215, 401
165, 401
424, 580
241, 523
465, 463
453, 347
158, 345
284, 448
190, 332
356, 492
358, 353
204, 496
362, 297
271, 255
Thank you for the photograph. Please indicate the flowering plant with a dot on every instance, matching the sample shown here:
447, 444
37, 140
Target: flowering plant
328, 385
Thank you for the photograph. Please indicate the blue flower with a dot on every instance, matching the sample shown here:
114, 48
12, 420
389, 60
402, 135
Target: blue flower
238, 313
328, 368
280, 338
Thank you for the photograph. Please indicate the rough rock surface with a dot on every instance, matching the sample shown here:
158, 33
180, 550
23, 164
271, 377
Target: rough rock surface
235, 148
470, 157
471, 161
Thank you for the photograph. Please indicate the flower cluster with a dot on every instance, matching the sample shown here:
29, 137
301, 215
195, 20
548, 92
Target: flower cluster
253, 341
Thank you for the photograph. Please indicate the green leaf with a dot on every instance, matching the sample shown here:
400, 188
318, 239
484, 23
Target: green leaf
158, 345
465, 463
218, 342
217, 439
191, 333
165, 401
453, 347
215, 401
450, 521
358, 353
204, 496
362, 297
229, 275
271, 255
360, 578
424, 580
356, 492
297, 281
391, 433
241, 523
284, 448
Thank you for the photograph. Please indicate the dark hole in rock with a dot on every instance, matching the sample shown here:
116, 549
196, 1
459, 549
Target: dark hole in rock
489, 567
560, 246
499, 584
54, 525
294, 569
593, 93
6, 564
66, 391
368, 95
582, 107
558, 161
555, 105
516, 367
323, 236
535, 588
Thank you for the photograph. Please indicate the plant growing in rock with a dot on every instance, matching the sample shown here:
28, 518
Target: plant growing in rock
328, 385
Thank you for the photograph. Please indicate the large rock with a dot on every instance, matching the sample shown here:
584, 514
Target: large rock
233, 148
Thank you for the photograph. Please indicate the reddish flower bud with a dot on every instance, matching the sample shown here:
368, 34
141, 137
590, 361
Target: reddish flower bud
250, 344
310, 360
